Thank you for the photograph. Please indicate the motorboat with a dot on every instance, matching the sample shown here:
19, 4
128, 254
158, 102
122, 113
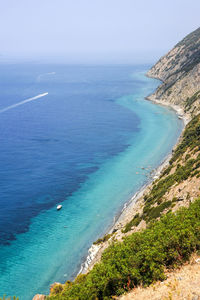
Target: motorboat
59, 207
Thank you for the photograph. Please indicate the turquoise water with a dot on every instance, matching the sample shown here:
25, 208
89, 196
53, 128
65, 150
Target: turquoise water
54, 244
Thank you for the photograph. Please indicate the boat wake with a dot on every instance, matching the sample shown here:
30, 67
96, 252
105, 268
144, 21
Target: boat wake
44, 75
23, 102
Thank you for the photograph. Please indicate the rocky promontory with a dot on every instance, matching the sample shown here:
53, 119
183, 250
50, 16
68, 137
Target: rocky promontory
179, 71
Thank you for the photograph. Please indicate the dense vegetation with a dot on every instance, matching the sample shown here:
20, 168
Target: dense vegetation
140, 259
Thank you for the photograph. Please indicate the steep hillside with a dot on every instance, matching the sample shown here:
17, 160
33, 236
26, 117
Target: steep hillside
179, 70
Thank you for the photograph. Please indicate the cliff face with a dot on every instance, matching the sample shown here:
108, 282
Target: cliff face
179, 70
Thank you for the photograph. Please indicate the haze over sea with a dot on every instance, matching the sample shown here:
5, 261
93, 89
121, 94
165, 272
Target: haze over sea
82, 145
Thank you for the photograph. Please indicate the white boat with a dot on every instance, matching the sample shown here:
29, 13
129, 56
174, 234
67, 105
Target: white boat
59, 207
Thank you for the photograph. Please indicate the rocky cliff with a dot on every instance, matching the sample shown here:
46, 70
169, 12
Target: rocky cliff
179, 70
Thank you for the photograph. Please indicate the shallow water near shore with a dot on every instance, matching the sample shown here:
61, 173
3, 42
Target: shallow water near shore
89, 144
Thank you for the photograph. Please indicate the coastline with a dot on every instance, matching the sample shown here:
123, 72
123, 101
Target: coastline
135, 203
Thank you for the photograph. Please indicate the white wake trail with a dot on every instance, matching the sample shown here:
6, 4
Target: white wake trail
23, 102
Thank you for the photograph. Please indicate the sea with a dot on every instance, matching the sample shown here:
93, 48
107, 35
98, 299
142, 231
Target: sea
82, 136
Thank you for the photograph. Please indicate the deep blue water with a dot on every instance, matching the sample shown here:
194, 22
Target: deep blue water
81, 145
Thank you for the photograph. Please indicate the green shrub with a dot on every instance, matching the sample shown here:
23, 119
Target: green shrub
155, 212
167, 171
134, 222
103, 239
57, 289
141, 258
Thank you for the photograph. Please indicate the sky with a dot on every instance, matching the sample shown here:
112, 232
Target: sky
115, 31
